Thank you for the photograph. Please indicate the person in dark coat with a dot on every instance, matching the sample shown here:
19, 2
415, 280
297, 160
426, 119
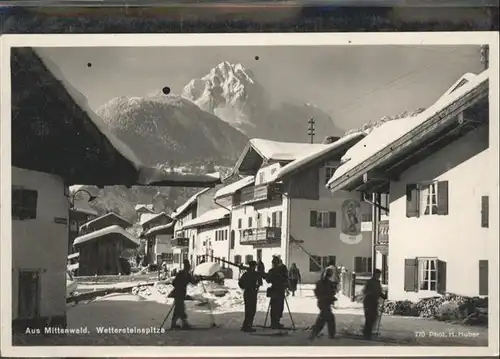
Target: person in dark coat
294, 276
278, 278
325, 294
250, 282
372, 293
182, 279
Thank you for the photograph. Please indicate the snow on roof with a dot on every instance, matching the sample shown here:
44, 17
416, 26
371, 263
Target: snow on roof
144, 207
146, 175
284, 151
206, 218
158, 228
104, 216
188, 203
235, 186
74, 255
105, 231
388, 132
306, 159
85, 210
154, 216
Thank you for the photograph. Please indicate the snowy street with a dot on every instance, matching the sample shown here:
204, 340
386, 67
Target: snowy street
148, 310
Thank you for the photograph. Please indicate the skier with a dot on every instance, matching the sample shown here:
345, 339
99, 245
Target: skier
335, 278
278, 278
325, 294
250, 282
372, 293
294, 275
180, 283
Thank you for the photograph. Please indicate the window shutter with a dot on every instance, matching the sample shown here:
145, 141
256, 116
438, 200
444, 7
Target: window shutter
442, 189
358, 264
411, 270
273, 219
332, 219
411, 200
314, 264
232, 239
483, 277
441, 277
485, 211
313, 222
369, 264
280, 218
332, 258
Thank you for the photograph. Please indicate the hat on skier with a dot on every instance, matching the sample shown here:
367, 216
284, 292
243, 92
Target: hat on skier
252, 264
275, 260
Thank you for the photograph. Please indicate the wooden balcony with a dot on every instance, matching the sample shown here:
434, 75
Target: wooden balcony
256, 194
180, 242
263, 235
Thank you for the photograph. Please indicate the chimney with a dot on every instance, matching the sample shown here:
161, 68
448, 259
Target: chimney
330, 139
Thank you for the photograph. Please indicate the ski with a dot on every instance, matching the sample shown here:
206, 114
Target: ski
270, 334
284, 328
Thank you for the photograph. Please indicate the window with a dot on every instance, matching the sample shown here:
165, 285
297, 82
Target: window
176, 258
329, 171
427, 199
261, 177
237, 259
427, 269
248, 258
223, 263
322, 219
362, 265
425, 274
225, 234
276, 218
249, 222
315, 264
483, 277
24, 203
240, 223
484, 212
192, 246
259, 254
233, 239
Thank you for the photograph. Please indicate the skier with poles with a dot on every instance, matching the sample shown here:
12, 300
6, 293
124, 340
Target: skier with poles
278, 278
325, 293
180, 283
372, 293
250, 282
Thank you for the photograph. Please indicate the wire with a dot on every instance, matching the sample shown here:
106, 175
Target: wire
390, 84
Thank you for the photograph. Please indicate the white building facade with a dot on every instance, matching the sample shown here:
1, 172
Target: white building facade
282, 208
434, 167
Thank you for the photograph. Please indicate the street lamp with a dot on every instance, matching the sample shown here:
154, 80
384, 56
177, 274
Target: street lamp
72, 197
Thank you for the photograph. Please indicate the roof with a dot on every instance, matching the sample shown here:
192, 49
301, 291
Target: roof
384, 143
155, 216
99, 219
320, 154
74, 255
105, 232
144, 208
56, 107
191, 201
158, 229
90, 211
236, 186
258, 150
209, 217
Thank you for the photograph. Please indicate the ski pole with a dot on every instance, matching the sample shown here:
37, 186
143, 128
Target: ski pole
168, 314
381, 312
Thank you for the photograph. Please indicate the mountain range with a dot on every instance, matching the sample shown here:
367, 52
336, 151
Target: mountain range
208, 124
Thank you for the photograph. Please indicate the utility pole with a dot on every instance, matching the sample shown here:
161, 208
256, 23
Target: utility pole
311, 130
485, 56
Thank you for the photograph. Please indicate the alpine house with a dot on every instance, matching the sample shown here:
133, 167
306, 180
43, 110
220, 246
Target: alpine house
434, 166
281, 207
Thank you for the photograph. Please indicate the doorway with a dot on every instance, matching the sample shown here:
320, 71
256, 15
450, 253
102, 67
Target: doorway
29, 294
259, 255
385, 269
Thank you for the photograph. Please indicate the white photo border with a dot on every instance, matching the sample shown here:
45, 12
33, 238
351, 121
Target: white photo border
275, 39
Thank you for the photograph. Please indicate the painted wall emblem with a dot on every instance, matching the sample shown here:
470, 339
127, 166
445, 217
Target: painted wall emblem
351, 222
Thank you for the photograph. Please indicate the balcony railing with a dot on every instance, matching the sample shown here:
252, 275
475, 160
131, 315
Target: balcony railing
256, 194
180, 242
263, 235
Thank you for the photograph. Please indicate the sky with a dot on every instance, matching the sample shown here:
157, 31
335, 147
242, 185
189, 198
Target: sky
353, 84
